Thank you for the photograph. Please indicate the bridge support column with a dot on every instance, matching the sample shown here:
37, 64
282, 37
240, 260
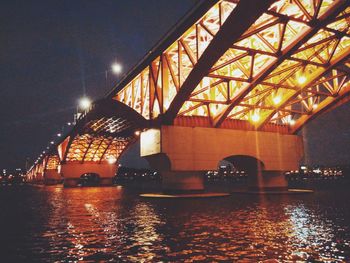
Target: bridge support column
38, 179
106, 181
71, 182
176, 150
268, 180
177, 181
72, 172
52, 177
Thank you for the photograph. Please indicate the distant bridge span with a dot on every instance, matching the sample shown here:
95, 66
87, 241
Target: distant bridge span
241, 76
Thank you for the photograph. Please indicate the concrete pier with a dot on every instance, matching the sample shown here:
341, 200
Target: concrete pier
181, 154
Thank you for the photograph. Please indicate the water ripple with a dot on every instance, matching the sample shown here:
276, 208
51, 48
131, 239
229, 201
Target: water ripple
108, 224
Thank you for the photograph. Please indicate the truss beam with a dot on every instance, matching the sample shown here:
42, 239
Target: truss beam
288, 51
234, 26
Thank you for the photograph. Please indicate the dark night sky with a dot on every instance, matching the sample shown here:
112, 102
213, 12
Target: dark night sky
53, 51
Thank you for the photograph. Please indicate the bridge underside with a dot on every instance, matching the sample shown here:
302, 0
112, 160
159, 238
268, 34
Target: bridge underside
94, 146
98, 141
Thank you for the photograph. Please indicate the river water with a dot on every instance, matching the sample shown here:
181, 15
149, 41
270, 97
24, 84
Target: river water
52, 224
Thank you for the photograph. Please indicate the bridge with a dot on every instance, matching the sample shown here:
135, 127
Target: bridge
234, 80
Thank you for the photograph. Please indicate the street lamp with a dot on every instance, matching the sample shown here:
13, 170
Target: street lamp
84, 103
111, 160
116, 68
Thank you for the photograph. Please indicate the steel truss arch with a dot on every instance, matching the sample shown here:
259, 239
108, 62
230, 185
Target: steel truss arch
103, 133
230, 66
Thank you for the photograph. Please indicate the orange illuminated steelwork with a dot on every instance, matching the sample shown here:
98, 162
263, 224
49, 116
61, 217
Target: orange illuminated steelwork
49, 162
294, 56
52, 162
99, 149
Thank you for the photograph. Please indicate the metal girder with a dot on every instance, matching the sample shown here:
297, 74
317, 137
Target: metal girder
190, 18
234, 26
152, 90
105, 150
315, 76
97, 148
224, 70
106, 119
91, 149
284, 54
87, 149
110, 117
116, 148
317, 46
52, 161
326, 105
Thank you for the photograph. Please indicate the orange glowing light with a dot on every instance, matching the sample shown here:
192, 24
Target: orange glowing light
255, 117
277, 100
111, 160
301, 79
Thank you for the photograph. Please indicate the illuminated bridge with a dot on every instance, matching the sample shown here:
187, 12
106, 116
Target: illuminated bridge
235, 80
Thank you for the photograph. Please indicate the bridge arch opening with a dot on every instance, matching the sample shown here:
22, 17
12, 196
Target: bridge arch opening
90, 179
159, 162
250, 166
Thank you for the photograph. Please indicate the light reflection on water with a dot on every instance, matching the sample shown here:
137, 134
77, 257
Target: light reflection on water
91, 224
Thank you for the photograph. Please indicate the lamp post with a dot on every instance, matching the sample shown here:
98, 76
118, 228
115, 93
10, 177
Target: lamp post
83, 105
116, 68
